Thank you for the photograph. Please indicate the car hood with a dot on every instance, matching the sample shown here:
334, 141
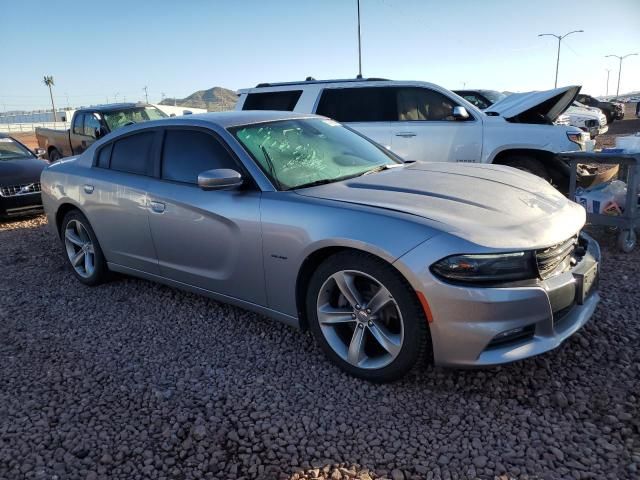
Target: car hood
549, 103
490, 205
17, 172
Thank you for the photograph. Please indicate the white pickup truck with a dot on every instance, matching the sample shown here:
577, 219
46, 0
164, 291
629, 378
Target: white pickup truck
424, 122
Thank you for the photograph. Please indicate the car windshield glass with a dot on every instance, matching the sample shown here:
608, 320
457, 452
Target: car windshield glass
119, 118
12, 150
304, 152
493, 95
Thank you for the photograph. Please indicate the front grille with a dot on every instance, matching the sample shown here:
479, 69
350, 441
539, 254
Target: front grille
557, 258
16, 190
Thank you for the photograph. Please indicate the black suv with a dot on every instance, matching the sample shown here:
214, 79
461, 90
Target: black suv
612, 111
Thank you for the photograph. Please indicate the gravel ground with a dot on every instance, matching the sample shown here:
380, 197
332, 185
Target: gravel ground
135, 380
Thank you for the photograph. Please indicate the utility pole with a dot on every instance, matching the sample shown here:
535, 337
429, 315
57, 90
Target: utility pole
359, 45
607, 92
146, 96
559, 37
620, 67
162, 95
115, 97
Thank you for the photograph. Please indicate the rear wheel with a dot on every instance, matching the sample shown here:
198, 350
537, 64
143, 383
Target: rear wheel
366, 317
54, 155
83, 250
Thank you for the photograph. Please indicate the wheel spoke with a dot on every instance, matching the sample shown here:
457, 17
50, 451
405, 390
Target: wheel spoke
88, 263
77, 259
82, 233
70, 235
387, 340
345, 283
356, 347
379, 300
327, 315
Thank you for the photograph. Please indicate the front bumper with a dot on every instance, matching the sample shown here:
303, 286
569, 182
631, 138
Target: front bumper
466, 321
19, 205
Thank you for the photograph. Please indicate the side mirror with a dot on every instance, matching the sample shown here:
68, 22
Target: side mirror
100, 132
219, 179
460, 113
40, 152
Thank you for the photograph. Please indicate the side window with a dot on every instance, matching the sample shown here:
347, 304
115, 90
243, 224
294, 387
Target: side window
91, 125
366, 104
285, 101
423, 104
476, 101
104, 156
77, 124
132, 154
187, 153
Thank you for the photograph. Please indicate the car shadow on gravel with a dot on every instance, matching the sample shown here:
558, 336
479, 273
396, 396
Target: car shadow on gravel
137, 380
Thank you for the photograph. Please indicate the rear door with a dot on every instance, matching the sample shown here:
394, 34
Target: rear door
209, 239
369, 110
117, 202
76, 133
424, 128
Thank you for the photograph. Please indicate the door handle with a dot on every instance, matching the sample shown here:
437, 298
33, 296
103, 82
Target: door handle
84, 143
87, 188
405, 134
157, 207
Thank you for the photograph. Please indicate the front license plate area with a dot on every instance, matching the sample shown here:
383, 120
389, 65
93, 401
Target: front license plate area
586, 283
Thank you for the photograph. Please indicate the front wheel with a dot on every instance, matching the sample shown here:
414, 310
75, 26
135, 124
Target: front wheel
366, 317
528, 164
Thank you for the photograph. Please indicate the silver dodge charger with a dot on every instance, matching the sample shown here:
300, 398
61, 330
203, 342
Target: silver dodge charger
304, 220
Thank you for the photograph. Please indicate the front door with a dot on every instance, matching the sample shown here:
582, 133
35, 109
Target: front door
425, 129
208, 239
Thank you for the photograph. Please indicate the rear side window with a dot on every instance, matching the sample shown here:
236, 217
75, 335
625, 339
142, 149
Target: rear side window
368, 104
187, 153
77, 124
285, 101
104, 156
132, 154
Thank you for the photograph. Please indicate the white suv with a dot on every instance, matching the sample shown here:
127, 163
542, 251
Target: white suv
424, 122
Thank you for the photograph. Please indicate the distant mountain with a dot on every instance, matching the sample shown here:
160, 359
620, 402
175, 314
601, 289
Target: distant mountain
216, 99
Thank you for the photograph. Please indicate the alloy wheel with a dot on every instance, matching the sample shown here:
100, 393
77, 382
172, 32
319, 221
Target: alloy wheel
80, 249
360, 319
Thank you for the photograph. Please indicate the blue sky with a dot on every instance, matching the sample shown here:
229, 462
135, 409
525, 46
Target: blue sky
97, 49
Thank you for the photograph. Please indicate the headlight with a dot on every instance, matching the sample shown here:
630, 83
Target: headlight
500, 267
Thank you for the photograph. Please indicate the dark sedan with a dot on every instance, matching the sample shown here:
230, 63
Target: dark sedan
19, 179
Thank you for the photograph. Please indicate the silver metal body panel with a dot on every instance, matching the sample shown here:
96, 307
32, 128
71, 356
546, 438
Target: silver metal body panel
246, 247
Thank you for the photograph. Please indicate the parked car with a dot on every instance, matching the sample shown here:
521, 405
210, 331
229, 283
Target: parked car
90, 124
301, 219
588, 119
424, 122
613, 111
20, 172
482, 99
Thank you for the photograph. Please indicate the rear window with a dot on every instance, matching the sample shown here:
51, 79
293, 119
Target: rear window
367, 104
285, 101
132, 154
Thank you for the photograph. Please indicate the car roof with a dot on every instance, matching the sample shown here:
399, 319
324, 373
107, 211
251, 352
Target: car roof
229, 119
113, 106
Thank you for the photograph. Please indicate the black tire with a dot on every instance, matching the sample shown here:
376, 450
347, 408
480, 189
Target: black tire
416, 344
101, 272
528, 164
54, 155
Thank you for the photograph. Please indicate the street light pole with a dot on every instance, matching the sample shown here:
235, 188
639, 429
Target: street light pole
359, 45
559, 37
608, 71
620, 67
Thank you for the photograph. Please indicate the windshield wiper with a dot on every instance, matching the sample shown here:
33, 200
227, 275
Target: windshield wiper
272, 169
382, 168
315, 183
